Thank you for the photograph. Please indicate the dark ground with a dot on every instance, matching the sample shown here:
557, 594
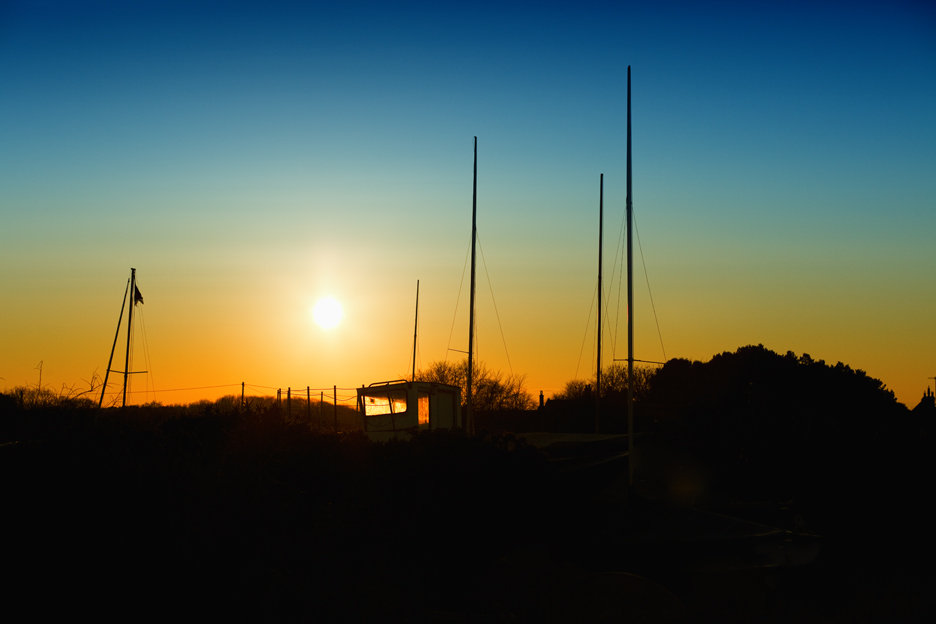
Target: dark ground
135, 513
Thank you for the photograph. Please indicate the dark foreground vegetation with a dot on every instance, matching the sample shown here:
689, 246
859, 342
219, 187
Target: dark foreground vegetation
253, 513
225, 513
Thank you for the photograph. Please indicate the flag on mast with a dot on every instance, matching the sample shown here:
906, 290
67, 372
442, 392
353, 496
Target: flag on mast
137, 297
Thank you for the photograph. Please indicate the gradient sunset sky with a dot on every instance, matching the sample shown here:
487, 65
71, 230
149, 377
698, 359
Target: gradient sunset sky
250, 158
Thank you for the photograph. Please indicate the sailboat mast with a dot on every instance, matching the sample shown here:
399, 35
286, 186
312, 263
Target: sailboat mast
114, 346
630, 299
129, 333
600, 239
469, 424
415, 330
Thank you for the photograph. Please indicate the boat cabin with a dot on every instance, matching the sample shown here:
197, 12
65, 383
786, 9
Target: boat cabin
392, 409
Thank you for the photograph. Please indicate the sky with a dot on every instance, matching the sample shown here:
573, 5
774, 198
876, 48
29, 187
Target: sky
249, 159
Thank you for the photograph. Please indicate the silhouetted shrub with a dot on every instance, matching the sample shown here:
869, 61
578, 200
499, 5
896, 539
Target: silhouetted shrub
491, 390
781, 427
238, 509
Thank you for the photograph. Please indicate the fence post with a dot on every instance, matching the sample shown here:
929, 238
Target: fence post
242, 395
308, 405
289, 401
335, 390
322, 409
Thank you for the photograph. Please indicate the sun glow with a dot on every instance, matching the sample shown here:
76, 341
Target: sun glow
327, 312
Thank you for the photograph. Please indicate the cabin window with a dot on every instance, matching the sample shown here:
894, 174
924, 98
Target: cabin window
423, 408
388, 402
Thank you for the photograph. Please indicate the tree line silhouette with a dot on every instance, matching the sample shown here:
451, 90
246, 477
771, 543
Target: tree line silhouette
828, 441
491, 390
255, 508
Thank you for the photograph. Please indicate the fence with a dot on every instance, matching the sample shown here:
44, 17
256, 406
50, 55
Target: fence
323, 408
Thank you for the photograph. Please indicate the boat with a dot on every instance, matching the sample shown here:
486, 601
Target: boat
396, 409
650, 535
136, 298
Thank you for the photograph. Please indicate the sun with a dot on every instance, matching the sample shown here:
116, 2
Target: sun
327, 312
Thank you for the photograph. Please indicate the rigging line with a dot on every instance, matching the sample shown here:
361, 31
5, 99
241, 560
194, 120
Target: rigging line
146, 380
607, 307
491, 287
129, 366
585, 337
594, 340
146, 356
457, 299
617, 314
418, 348
652, 306
418, 354
620, 250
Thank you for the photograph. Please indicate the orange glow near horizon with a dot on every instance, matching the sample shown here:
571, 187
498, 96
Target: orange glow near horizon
202, 343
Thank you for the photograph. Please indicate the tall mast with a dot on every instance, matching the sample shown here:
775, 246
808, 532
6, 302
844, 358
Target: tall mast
630, 300
474, 236
114, 346
600, 238
129, 332
415, 329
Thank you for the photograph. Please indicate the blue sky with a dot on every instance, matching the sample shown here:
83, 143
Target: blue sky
248, 159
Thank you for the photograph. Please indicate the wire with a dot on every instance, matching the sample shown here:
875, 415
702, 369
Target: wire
346, 398
328, 389
652, 306
146, 356
496, 313
585, 337
132, 349
457, 299
178, 389
617, 311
